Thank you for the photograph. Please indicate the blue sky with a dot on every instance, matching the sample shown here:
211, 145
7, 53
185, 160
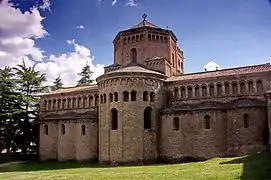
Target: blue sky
229, 32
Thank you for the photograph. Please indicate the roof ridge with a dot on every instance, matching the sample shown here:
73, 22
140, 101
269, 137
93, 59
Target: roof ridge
226, 69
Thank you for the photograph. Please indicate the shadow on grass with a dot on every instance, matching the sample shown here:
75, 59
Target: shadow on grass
255, 167
48, 165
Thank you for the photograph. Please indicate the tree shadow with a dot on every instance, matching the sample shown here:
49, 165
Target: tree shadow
255, 167
48, 165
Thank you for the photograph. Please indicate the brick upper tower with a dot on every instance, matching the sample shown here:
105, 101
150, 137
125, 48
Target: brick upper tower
148, 45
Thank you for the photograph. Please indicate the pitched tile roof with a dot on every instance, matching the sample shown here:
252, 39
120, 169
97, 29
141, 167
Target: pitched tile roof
144, 23
224, 72
72, 89
135, 69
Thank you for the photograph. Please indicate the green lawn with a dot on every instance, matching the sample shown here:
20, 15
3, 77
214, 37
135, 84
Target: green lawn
247, 167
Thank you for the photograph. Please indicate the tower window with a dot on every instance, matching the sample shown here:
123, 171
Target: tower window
190, 92
147, 118
259, 86
152, 96
243, 87
250, 87
173, 60
204, 91
197, 93
133, 96
83, 130
46, 129
207, 123
211, 90
227, 89
63, 130
114, 119
176, 124
176, 93
145, 96
104, 98
234, 89
246, 121
125, 96
219, 89
116, 96
110, 97
96, 100
134, 55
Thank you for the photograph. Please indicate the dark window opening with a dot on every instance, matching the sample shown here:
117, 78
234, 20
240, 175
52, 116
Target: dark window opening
176, 124
204, 91
111, 97
246, 121
116, 97
227, 89
83, 130
134, 55
84, 102
96, 100
145, 96
69, 103
152, 96
79, 102
46, 129
63, 130
207, 123
133, 96
212, 90
250, 87
182, 92
54, 104
147, 118
90, 99
104, 98
59, 104
190, 92
243, 87
259, 86
45, 105
73, 102
64, 104
234, 89
114, 119
101, 99
197, 93
49, 104
125, 96
219, 89
176, 93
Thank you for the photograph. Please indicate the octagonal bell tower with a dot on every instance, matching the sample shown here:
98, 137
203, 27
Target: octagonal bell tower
150, 46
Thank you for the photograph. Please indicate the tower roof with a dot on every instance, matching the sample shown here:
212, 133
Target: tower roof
144, 23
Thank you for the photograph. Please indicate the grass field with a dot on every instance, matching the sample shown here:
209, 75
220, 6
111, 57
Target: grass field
247, 168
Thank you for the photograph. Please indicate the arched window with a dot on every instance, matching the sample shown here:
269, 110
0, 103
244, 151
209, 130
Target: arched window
125, 96
110, 97
79, 102
183, 92
204, 91
90, 101
152, 96
59, 104
84, 102
54, 104
45, 129
182, 65
207, 122
227, 89
176, 124
219, 89
49, 104
197, 93
242, 87
190, 92
246, 121
147, 118
259, 84
145, 96
96, 100
116, 97
173, 60
69, 103
134, 55
101, 99
73, 102
83, 130
176, 93
64, 104
234, 89
114, 119
63, 130
250, 87
133, 96
211, 90
45, 105
104, 98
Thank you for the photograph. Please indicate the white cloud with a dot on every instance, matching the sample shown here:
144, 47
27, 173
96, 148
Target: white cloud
131, 3
114, 2
68, 65
211, 66
18, 34
80, 27
46, 5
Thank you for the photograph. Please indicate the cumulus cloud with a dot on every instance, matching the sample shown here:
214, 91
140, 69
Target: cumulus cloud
211, 66
18, 34
46, 5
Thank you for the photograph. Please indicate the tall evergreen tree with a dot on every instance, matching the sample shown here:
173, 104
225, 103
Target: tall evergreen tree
29, 83
86, 76
57, 83
9, 111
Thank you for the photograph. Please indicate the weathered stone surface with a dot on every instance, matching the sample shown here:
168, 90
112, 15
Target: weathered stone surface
232, 100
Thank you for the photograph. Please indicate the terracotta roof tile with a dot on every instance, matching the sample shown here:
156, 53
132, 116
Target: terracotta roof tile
72, 89
224, 72
144, 23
